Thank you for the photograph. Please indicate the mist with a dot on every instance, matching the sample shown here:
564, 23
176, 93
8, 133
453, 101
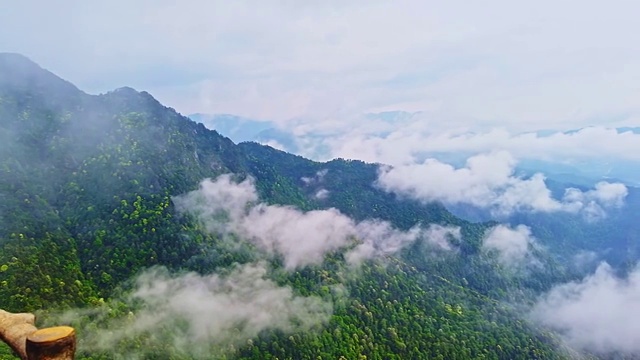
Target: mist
196, 315
513, 245
226, 207
380, 239
413, 136
489, 181
596, 313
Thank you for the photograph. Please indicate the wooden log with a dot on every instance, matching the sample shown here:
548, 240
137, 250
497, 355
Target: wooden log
55, 343
29, 343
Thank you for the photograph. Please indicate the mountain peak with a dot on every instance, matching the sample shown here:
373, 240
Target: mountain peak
15, 58
127, 94
126, 90
15, 66
19, 73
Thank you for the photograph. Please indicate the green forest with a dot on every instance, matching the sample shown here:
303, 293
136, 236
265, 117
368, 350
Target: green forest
88, 186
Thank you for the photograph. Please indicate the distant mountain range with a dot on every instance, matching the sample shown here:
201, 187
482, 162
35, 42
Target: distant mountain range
585, 172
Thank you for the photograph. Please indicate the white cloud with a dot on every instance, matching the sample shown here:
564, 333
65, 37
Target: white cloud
596, 313
194, 313
604, 193
379, 239
222, 202
401, 142
225, 206
322, 194
318, 178
440, 236
512, 245
488, 181
301, 238
593, 203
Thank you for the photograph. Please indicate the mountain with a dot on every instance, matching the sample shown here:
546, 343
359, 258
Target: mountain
106, 224
584, 171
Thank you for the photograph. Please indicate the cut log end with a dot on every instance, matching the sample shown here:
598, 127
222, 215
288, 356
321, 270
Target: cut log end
20, 333
56, 343
51, 334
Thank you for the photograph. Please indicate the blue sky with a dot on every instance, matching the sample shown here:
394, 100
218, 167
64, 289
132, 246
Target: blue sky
497, 63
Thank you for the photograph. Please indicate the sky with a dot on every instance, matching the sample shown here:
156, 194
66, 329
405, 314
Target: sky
497, 63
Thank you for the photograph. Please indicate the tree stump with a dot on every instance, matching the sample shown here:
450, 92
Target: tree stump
20, 333
56, 343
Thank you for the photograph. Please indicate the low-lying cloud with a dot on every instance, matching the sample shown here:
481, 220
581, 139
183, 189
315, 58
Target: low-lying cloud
592, 203
300, 238
597, 313
196, 314
220, 204
318, 178
413, 136
489, 181
441, 236
379, 239
322, 194
511, 244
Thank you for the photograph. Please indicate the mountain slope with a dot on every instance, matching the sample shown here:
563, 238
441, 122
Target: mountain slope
88, 186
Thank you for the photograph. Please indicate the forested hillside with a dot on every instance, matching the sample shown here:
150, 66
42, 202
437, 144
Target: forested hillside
92, 187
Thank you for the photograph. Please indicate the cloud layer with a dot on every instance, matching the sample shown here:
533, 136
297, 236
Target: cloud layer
597, 313
301, 238
489, 181
511, 245
411, 136
197, 314
399, 138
